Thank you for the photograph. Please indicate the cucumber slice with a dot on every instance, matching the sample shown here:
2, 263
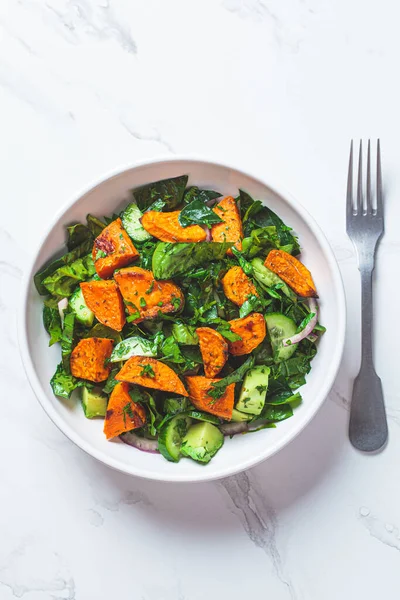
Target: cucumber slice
79, 307
133, 346
280, 327
269, 279
132, 225
171, 435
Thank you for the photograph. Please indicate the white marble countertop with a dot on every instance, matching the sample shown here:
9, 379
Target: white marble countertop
277, 87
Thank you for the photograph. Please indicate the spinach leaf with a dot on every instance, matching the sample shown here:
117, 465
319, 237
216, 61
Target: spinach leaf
279, 392
276, 413
181, 358
146, 251
263, 353
252, 304
77, 235
185, 334
174, 406
64, 279
67, 340
94, 224
225, 330
246, 266
198, 213
255, 216
154, 417
171, 260
218, 389
194, 193
297, 365
169, 191
63, 384
111, 381
52, 324
50, 268
103, 331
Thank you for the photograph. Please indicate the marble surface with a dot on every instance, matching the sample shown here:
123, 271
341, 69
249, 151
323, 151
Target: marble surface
277, 87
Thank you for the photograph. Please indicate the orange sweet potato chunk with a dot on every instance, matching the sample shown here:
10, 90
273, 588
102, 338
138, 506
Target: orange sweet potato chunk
251, 329
122, 413
166, 227
151, 373
145, 296
88, 359
105, 301
292, 271
230, 230
214, 350
237, 286
198, 392
112, 249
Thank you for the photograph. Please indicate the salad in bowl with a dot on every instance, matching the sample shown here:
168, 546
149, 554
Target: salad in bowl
186, 317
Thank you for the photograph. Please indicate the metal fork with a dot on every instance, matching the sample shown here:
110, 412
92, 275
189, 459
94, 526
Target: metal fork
368, 429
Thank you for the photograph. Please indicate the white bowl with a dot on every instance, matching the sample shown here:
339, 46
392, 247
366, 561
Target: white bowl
241, 452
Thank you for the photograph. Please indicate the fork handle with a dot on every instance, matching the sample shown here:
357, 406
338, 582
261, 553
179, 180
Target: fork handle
368, 429
367, 359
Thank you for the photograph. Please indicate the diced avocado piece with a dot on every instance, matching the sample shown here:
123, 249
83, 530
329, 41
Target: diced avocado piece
94, 403
202, 442
238, 416
132, 225
78, 305
254, 390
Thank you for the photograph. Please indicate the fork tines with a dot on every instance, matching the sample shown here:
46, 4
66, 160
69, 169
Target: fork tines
368, 205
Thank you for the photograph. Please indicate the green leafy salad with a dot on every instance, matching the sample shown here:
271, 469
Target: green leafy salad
184, 319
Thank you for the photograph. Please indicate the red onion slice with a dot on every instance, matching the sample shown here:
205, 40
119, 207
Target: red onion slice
213, 201
62, 307
143, 444
234, 428
312, 305
207, 232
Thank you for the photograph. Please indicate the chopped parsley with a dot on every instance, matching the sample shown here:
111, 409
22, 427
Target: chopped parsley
100, 254
147, 371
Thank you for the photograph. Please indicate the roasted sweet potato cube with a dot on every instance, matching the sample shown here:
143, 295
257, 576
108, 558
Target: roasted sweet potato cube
198, 392
151, 373
145, 296
230, 230
105, 301
123, 414
88, 359
112, 249
292, 271
166, 227
238, 286
214, 350
251, 329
